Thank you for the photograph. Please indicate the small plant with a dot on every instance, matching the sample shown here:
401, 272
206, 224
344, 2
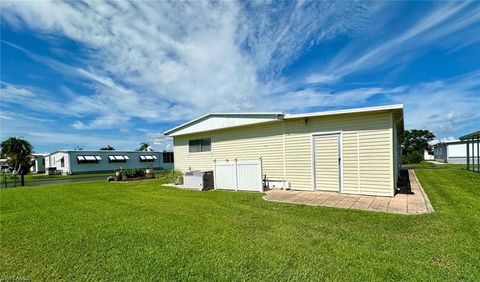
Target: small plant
134, 172
172, 176
149, 170
414, 157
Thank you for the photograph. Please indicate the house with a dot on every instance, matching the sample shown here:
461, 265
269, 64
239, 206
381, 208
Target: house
451, 151
38, 163
354, 151
79, 161
472, 146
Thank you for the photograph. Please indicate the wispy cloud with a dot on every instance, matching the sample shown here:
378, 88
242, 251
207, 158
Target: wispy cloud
444, 106
9, 91
171, 61
159, 61
442, 21
314, 99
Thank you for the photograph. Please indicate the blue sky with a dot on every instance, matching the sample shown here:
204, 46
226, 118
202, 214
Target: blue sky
92, 74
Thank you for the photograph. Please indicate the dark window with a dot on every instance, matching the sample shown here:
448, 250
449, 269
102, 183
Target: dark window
168, 157
200, 145
206, 145
43, 161
62, 162
194, 146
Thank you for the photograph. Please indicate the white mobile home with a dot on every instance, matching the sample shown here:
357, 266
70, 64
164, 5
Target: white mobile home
38, 163
353, 151
452, 151
74, 162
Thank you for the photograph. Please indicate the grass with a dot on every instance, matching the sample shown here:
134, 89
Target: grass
429, 165
145, 231
43, 177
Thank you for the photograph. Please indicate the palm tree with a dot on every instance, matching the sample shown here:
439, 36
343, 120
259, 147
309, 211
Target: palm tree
143, 147
19, 154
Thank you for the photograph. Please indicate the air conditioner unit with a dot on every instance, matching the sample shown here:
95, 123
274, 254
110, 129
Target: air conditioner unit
201, 180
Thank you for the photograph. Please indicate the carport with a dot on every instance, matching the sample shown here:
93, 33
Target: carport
472, 141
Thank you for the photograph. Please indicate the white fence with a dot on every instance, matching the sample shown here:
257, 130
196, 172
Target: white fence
244, 175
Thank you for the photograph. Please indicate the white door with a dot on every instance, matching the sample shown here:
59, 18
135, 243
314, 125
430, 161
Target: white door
326, 167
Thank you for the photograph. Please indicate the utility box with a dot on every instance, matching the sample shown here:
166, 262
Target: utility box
278, 184
51, 170
201, 180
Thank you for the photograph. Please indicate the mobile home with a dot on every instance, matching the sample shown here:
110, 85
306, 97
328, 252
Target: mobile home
452, 151
79, 161
353, 151
38, 163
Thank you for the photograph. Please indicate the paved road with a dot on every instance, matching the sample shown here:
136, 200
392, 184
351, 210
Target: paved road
57, 181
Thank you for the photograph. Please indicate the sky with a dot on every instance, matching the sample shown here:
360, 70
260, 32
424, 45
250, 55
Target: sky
91, 74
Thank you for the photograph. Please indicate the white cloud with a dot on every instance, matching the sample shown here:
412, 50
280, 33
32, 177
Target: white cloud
50, 138
442, 21
9, 91
320, 78
159, 142
442, 106
312, 98
36, 99
159, 61
176, 60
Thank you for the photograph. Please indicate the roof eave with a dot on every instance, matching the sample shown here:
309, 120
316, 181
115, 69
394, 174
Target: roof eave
347, 111
173, 130
470, 135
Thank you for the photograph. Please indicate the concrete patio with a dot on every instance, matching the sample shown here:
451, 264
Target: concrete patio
412, 199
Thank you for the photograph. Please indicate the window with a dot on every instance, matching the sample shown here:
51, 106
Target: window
62, 162
118, 159
147, 159
168, 157
43, 161
88, 159
200, 145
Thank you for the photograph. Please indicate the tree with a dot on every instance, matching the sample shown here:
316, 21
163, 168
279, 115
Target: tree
414, 142
18, 153
143, 147
107, 148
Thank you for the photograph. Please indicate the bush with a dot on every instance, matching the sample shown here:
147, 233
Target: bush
414, 157
171, 176
134, 172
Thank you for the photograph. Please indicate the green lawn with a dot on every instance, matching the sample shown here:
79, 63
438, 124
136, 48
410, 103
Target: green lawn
144, 231
429, 165
43, 177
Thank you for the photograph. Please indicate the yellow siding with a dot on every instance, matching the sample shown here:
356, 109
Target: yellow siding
286, 150
243, 143
372, 132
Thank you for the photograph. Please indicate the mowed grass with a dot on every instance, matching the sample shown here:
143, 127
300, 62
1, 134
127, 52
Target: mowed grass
430, 165
144, 231
43, 177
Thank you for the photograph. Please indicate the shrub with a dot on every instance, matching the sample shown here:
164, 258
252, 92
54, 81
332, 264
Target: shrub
170, 176
134, 172
414, 157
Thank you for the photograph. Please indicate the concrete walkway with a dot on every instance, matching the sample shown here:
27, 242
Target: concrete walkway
415, 202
